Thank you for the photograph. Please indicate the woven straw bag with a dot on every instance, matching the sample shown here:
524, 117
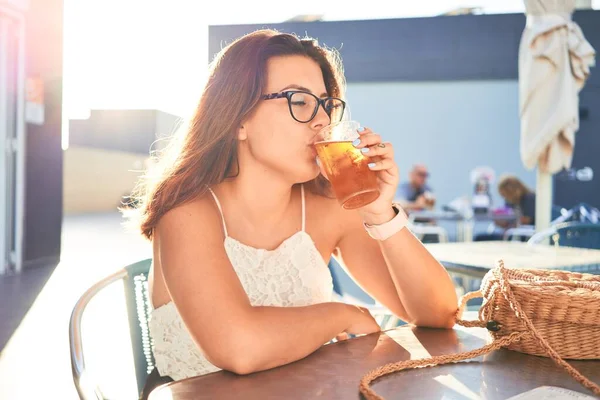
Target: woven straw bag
546, 313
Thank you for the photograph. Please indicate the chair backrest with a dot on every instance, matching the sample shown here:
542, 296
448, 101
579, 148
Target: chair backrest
345, 287
139, 308
520, 233
571, 234
135, 281
425, 233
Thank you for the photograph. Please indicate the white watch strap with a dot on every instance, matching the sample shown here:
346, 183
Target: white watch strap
390, 228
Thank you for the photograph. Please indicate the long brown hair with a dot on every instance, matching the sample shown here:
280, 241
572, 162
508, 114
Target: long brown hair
512, 188
204, 152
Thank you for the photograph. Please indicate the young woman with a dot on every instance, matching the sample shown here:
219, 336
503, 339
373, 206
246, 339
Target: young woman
518, 197
243, 223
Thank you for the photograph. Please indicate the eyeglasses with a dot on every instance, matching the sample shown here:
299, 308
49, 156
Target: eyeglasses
304, 106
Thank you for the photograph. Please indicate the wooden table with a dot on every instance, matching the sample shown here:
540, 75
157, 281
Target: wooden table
477, 258
334, 371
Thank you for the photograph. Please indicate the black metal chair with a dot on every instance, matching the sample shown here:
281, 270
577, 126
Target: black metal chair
135, 282
571, 234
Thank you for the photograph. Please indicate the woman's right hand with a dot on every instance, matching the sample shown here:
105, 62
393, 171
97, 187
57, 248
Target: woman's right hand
361, 322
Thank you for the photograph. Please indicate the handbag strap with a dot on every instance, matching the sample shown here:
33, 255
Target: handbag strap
366, 380
370, 394
501, 274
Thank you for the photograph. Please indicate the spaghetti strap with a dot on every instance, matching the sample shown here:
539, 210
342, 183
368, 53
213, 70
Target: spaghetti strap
303, 209
220, 210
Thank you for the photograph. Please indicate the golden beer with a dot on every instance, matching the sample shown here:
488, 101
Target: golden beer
353, 182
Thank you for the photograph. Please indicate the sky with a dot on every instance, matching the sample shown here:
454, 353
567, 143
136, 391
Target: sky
153, 53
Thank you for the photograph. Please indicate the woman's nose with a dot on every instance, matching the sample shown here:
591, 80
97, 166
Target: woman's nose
321, 119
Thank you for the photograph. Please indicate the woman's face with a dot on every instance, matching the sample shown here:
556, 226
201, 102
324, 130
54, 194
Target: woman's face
271, 136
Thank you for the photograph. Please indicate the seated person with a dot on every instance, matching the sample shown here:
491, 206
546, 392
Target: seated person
416, 195
481, 201
243, 224
518, 197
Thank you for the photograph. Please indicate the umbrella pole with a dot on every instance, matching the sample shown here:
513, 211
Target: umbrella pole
543, 200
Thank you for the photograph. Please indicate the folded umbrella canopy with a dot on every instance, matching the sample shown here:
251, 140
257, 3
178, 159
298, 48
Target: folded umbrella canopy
554, 63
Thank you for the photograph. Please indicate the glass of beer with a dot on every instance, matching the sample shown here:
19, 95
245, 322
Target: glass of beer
353, 182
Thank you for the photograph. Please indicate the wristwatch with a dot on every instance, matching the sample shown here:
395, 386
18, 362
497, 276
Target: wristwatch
388, 229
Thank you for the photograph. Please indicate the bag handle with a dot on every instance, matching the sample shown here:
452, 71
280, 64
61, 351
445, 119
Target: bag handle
501, 274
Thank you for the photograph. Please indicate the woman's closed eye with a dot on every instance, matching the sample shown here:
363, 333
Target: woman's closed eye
332, 106
299, 99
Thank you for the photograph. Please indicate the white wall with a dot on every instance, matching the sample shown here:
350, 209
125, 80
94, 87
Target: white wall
452, 127
95, 180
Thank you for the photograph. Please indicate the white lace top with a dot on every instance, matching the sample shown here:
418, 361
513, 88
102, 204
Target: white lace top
294, 274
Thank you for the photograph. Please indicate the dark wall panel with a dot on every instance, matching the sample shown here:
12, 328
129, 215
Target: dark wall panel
468, 47
44, 175
44, 157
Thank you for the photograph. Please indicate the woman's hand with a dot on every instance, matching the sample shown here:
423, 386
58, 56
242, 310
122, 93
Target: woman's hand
361, 322
381, 160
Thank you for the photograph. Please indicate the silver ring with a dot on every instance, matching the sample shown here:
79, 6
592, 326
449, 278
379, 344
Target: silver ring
382, 145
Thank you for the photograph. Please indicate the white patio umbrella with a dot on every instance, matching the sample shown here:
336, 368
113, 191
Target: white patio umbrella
554, 63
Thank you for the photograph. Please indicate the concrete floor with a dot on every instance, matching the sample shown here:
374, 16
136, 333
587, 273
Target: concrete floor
17, 294
36, 306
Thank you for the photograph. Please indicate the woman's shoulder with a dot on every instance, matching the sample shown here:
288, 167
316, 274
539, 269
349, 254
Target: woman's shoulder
199, 213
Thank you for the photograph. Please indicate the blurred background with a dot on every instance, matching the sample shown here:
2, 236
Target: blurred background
87, 87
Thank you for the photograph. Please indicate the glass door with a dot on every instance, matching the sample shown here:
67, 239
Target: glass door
12, 140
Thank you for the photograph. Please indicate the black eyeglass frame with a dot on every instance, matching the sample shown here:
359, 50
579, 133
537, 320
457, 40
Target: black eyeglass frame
320, 102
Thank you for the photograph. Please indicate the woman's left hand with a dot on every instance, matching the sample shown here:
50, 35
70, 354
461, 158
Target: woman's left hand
381, 160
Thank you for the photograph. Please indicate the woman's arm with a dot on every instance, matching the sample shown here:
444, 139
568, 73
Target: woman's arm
400, 273
232, 333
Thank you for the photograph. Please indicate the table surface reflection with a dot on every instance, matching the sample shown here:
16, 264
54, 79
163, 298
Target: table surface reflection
334, 371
